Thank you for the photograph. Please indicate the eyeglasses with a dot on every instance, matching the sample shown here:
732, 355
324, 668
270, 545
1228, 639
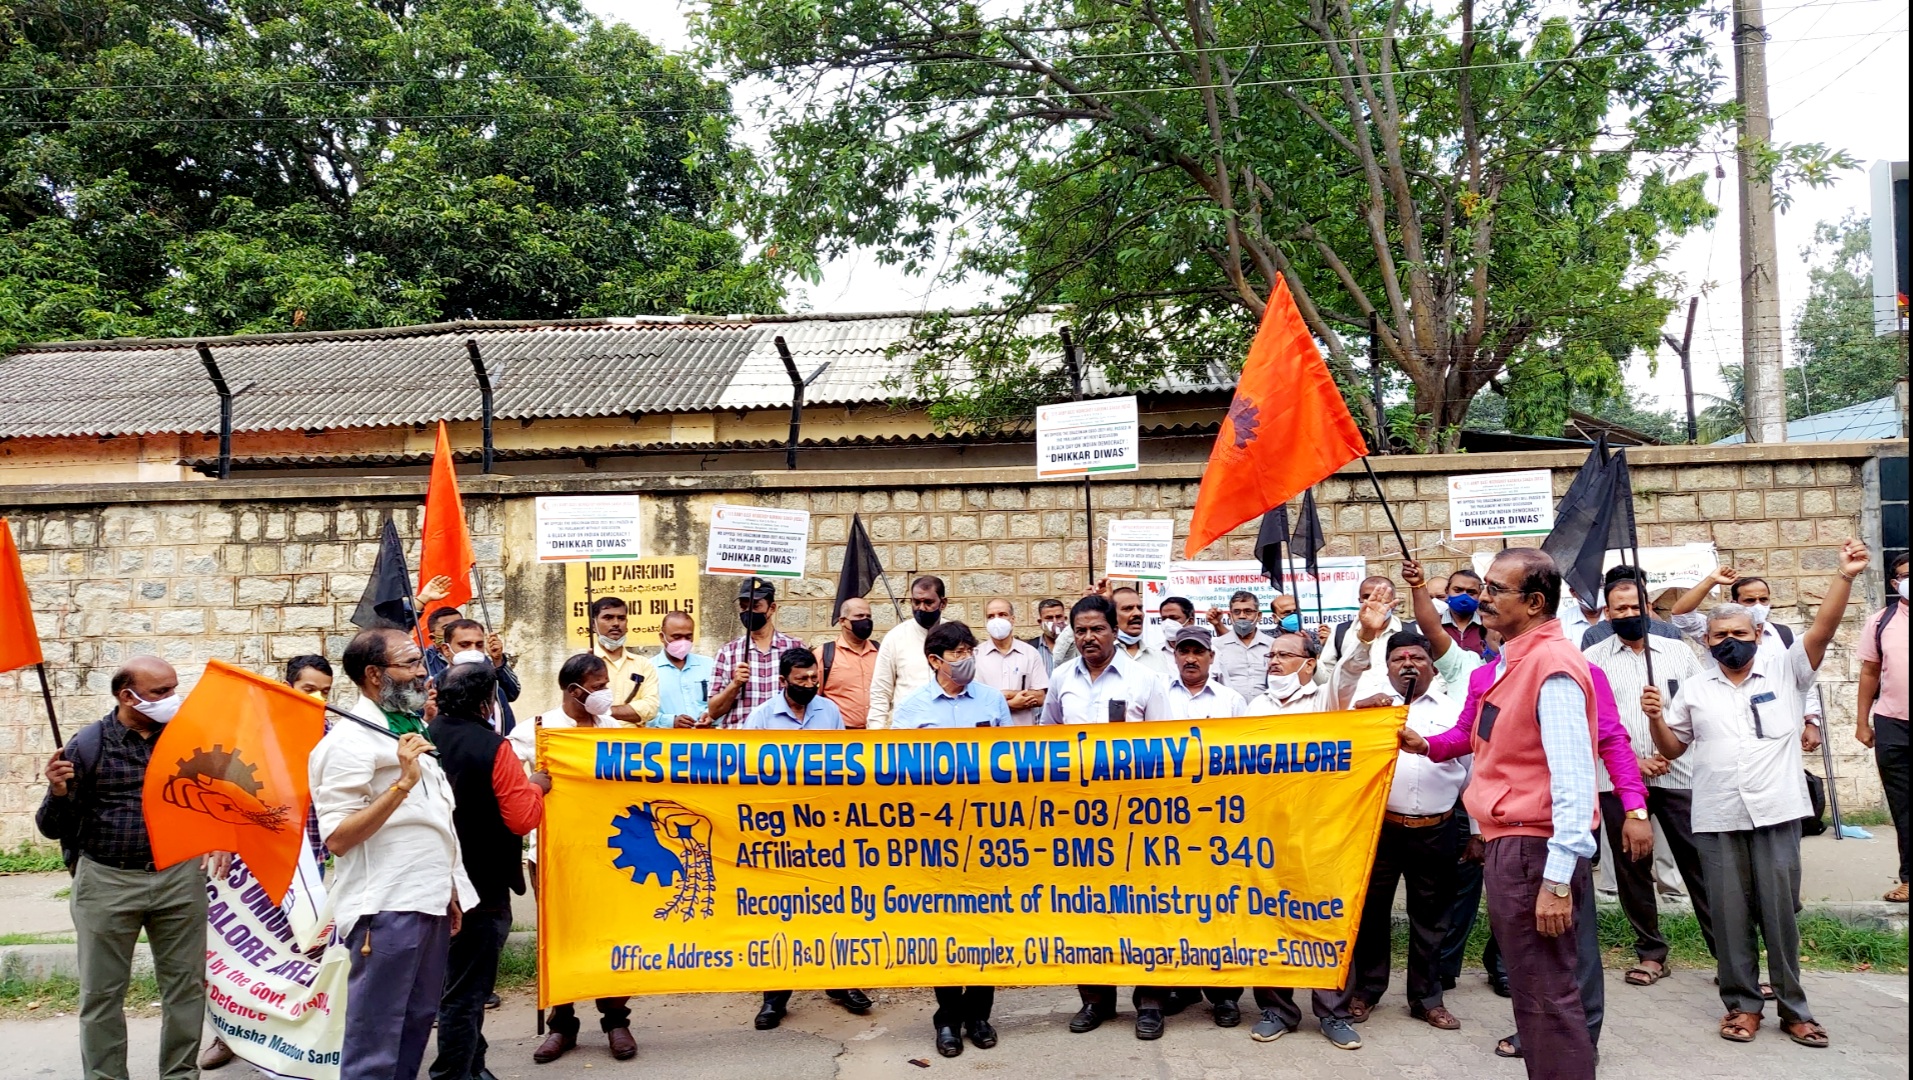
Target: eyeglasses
1494, 588
961, 652
415, 663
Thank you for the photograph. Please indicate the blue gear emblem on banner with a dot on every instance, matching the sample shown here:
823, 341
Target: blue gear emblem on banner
669, 842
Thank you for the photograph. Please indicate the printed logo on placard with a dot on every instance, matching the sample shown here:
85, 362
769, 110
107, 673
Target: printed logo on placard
220, 784
665, 840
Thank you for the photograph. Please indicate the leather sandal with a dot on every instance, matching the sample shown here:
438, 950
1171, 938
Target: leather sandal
1807, 1033
1437, 1017
1896, 895
1739, 1026
1643, 975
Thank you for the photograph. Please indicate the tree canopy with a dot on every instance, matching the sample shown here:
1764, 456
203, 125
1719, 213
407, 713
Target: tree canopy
1838, 360
1494, 183
185, 167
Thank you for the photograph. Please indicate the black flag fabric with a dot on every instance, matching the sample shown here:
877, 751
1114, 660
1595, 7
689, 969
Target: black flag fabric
861, 567
1592, 520
1268, 543
387, 600
1309, 540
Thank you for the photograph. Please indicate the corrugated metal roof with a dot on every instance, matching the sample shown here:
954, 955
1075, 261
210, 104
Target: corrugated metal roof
403, 376
1876, 419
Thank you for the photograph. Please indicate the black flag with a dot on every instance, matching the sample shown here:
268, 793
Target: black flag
387, 601
1268, 543
1592, 520
861, 567
1309, 538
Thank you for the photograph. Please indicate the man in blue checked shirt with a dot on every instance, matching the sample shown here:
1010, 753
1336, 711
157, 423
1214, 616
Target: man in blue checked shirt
954, 699
684, 678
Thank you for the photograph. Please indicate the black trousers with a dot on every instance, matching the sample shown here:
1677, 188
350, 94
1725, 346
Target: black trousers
1463, 913
781, 998
613, 1013
1425, 858
1890, 752
960, 1005
1674, 809
1104, 997
471, 972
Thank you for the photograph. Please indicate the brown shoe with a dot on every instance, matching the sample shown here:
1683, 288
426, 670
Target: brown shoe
556, 1045
623, 1046
1358, 1011
1437, 1017
216, 1055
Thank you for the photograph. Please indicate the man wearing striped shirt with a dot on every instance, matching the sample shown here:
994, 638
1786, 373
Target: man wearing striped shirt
1623, 657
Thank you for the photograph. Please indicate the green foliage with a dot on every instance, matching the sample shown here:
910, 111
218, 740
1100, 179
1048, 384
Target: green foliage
1496, 181
1838, 361
215, 167
31, 859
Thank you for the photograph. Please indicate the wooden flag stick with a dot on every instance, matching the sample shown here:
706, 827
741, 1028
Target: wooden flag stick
1396, 529
46, 693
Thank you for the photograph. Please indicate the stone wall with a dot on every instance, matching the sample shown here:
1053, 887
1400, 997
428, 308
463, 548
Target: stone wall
254, 572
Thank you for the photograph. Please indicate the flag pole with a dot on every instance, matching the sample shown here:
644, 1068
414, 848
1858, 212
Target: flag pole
478, 593
46, 693
1640, 579
1396, 529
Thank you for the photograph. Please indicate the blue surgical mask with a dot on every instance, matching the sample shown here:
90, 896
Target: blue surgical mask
1290, 623
1463, 605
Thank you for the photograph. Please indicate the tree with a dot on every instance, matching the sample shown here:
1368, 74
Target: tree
210, 166
1495, 185
1838, 360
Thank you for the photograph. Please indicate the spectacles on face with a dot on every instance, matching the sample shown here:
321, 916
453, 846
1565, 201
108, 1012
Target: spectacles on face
961, 652
1495, 588
416, 663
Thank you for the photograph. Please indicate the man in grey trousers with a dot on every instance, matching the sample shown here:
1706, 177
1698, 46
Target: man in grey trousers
93, 808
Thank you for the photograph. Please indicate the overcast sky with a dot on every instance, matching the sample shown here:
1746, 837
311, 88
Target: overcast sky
1837, 74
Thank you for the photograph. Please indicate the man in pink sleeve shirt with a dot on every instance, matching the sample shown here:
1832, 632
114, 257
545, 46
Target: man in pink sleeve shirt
1617, 754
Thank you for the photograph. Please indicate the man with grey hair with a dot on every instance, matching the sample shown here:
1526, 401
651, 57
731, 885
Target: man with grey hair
1746, 723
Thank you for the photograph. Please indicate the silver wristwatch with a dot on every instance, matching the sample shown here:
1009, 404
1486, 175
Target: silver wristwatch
1556, 887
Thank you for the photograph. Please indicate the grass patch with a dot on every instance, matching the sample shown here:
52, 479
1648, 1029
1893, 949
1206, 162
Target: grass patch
518, 966
36, 939
21, 998
1874, 816
31, 858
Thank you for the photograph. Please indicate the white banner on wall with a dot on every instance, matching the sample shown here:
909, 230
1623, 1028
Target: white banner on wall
1138, 550
1489, 506
573, 528
1210, 584
1075, 438
757, 541
1680, 567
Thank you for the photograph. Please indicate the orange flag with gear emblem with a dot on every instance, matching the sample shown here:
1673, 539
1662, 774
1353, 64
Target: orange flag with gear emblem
19, 639
229, 774
1287, 429
446, 546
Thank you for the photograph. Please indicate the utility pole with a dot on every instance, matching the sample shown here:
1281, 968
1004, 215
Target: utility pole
1764, 394
1684, 348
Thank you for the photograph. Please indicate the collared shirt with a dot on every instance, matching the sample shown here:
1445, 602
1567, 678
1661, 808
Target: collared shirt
762, 684
1243, 666
1213, 702
628, 663
1075, 698
1745, 742
1772, 647
1892, 696
524, 742
1562, 712
412, 863
1150, 656
976, 705
1017, 668
1674, 665
1472, 637
1312, 697
776, 715
101, 814
1452, 670
1424, 787
683, 691
848, 683
1043, 650
902, 670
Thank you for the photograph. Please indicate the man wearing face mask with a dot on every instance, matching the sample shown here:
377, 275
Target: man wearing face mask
750, 662
684, 677
634, 679
1753, 594
901, 670
1292, 688
1745, 723
1882, 719
1241, 648
93, 807
1133, 637
1009, 665
1173, 613
1052, 615
399, 886
1623, 657
1461, 601
1286, 612
466, 642
850, 663
585, 683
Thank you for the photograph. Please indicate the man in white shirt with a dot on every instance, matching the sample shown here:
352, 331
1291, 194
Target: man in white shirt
1194, 694
901, 668
1133, 638
399, 887
1242, 649
1337, 647
1754, 594
1420, 842
1292, 686
1009, 665
1746, 723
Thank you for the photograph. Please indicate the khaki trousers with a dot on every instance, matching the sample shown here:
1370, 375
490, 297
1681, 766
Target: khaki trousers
110, 907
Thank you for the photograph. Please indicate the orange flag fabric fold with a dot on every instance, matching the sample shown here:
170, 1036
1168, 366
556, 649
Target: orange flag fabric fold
446, 547
19, 639
1287, 428
229, 774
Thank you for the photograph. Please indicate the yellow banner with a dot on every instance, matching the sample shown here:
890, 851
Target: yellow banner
650, 589
1208, 853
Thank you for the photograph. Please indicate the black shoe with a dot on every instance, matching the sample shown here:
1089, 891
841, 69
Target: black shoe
1088, 1018
1499, 984
854, 1000
982, 1035
1148, 1024
1226, 1013
493, 1001
484, 1074
768, 1017
1178, 999
949, 1043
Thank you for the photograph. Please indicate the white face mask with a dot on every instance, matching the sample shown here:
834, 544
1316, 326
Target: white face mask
1759, 612
999, 628
471, 656
1282, 686
1170, 626
598, 702
161, 711
1902, 588
610, 644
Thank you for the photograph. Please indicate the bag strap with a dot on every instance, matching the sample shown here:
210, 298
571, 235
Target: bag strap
1786, 634
1879, 631
830, 657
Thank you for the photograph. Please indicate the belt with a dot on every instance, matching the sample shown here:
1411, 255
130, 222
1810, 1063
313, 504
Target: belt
145, 865
1424, 822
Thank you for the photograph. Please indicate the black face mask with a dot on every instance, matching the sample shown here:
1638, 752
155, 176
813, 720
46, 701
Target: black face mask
861, 628
800, 696
753, 620
928, 619
1630, 627
1734, 653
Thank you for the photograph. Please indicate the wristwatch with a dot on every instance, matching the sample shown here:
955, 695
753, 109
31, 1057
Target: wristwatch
1555, 887
1638, 814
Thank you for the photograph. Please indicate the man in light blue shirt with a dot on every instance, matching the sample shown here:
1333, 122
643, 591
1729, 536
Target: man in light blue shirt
953, 697
684, 678
798, 707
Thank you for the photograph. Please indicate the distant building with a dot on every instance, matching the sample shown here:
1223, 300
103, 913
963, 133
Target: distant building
1876, 419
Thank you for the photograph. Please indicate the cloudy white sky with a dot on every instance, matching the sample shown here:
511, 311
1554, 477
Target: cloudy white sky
1837, 75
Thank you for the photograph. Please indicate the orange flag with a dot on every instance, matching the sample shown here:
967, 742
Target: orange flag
19, 640
1287, 428
229, 774
447, 544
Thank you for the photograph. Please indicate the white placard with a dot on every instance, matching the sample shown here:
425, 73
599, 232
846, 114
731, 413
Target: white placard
574, 528
757, 541
1681, 567
1489, 506
1210, 584
1076, 438
1138, 550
